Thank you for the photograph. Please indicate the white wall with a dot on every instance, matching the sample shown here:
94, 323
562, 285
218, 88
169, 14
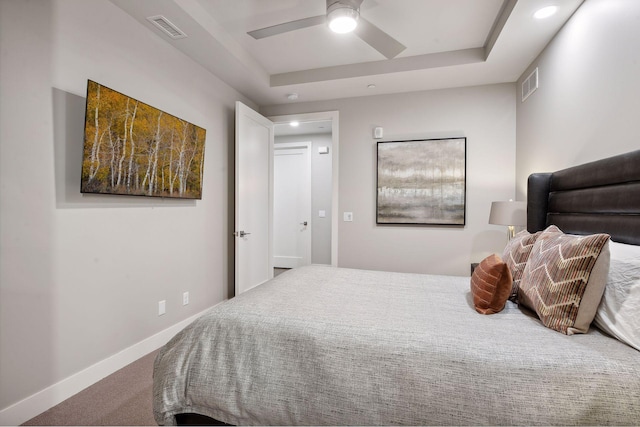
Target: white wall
320, 194
81, 276
484, 114
588, 104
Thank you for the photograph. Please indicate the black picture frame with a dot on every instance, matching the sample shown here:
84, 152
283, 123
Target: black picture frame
421, 182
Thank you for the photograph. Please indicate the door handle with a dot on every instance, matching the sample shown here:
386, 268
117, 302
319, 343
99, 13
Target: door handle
304, 223
240, 233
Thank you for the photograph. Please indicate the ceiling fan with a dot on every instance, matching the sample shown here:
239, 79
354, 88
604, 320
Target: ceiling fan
341, 11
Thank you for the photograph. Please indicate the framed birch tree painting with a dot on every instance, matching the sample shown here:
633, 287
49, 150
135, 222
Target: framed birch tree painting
421, 182
131, 148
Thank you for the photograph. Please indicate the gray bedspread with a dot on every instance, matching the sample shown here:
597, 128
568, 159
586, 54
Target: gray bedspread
326, 346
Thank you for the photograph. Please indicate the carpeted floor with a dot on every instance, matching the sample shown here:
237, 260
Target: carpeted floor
122, 398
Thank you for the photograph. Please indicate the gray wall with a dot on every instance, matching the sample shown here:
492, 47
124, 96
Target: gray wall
588, 104
484, 114
320, 194
81, 276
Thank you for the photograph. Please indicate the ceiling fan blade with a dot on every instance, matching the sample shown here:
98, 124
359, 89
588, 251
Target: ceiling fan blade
288, 26
378, 39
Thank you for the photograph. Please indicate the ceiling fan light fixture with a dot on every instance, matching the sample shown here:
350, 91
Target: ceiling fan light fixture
545, 12
343, 19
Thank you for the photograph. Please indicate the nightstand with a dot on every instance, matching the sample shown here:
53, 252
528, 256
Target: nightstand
473, 266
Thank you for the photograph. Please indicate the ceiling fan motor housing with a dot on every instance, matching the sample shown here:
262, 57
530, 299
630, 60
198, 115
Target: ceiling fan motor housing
343, 4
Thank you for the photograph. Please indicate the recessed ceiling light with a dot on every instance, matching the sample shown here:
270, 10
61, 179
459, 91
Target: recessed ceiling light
294, 124
371, 86
292, 96
545, 12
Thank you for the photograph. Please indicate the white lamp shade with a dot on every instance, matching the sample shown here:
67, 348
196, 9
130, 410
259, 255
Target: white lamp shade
508, 213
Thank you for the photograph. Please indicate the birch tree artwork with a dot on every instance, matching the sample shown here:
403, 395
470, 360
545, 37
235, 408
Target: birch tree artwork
131, 148
421, 182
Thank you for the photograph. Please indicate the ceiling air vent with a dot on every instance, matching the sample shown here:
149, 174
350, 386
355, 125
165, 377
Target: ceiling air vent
530, 84
167, 27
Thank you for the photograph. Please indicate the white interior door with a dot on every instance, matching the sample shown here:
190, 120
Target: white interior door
253, 199
334, 117
292, 205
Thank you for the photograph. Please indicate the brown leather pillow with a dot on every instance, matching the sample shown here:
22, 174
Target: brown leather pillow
491, 285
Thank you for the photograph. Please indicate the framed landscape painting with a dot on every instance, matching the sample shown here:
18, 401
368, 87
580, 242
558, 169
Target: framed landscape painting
421, 182
131, 148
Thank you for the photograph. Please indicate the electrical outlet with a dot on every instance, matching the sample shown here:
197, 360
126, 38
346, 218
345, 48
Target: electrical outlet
162, 307
185, 298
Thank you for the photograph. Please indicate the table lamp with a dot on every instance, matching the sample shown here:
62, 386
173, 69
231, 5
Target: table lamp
509, 213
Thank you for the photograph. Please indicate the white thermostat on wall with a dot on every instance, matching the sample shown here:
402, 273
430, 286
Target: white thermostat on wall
377, 132
323, 150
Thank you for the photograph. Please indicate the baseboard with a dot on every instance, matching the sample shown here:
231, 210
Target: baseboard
39, 402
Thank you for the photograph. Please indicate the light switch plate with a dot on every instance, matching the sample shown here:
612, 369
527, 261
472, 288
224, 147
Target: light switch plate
377, 132
322, 214
348, 216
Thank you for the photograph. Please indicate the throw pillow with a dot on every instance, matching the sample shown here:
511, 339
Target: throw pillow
490, 285
619, 310
515, 255
564, 279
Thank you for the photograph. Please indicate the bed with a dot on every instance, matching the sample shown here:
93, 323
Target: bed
335, 346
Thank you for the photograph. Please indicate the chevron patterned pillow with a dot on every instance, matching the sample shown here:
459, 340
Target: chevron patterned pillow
515, 255
564, 279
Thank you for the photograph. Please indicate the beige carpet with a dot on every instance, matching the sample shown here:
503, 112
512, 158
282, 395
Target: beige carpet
122, 398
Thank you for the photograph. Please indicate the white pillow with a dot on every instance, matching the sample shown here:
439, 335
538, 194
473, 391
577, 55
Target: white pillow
619, 310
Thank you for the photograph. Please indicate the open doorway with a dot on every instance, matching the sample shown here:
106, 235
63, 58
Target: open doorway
292, 196
317, 133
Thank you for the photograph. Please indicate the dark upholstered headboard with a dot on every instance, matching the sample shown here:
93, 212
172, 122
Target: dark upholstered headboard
597, 197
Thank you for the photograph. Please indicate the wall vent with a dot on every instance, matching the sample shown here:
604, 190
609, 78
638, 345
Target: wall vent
530, 84
167, 27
